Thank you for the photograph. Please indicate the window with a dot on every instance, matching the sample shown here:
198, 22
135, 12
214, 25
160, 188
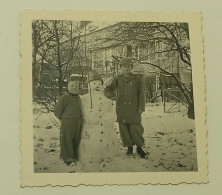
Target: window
46, 79
117, 51
143, 52
158, 48
151, 50
136, 52
98, 58
129, 51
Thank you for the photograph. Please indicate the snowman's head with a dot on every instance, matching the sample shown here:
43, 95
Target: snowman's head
95, 85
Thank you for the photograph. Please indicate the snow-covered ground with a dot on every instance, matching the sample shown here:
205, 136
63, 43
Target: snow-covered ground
170, 141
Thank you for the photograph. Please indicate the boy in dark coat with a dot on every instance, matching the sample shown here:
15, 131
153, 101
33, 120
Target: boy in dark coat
130, 104
68, 111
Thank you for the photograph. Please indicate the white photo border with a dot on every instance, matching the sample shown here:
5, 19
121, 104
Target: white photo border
29, 178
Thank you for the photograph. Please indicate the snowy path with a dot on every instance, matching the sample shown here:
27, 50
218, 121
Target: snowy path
170, 142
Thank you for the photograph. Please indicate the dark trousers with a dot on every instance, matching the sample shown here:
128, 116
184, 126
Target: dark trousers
70, 135
131, 134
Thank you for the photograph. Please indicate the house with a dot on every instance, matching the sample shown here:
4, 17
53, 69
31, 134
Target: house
102, 44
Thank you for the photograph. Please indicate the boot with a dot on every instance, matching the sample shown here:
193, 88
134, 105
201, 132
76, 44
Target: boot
140, 151
129, 151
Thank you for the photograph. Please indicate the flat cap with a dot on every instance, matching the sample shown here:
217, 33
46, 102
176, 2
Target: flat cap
125, 61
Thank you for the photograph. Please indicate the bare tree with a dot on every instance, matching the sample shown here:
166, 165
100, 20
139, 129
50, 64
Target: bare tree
170, 40
55, 44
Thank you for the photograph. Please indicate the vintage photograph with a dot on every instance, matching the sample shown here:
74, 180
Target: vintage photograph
112, 96
145, 65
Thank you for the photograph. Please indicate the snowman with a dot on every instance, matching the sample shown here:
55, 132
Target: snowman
99, 143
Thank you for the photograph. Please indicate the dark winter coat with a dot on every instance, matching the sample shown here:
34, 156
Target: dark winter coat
129, 97
68, 106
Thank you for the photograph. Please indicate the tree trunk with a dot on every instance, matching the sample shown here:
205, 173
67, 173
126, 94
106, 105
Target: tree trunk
191, 113
59, 64
34, 53
60, 82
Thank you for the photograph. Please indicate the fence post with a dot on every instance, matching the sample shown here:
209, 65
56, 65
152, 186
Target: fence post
164, 101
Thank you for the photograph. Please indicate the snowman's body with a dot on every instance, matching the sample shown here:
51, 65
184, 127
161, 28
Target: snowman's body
99, 143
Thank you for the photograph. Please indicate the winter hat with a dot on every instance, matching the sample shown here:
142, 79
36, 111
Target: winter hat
126, 61
93, 76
